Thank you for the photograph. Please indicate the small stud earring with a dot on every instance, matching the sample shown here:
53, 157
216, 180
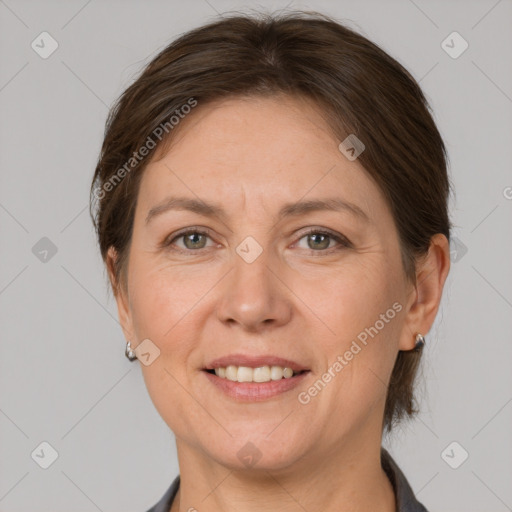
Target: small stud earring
129, 353
420, 342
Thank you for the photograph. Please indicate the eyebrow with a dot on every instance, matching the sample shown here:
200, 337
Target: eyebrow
288, 210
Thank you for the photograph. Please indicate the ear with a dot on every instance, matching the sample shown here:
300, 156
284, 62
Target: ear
121, 296
425, 296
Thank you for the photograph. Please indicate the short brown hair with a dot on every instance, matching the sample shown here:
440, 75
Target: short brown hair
358, 88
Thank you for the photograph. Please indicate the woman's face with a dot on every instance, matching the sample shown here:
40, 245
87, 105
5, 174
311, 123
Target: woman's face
257, 287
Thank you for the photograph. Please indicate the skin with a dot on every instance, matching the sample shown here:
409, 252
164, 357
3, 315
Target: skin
296, 300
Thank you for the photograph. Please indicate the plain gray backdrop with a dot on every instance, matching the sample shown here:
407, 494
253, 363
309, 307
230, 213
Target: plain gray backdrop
64, 379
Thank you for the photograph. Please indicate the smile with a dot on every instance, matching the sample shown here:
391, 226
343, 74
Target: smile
247, 374
254, 391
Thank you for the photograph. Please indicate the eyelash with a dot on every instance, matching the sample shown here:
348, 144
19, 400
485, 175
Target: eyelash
343, 242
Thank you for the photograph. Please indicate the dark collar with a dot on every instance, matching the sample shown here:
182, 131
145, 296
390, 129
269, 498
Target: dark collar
405, 499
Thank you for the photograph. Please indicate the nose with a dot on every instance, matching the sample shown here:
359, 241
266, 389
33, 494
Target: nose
253, 295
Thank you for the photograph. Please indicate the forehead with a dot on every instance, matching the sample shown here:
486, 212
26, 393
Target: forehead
274, 150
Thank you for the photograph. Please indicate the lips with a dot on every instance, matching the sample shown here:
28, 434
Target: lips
254, 362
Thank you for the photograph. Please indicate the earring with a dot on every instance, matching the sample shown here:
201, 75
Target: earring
420, 342
129, 353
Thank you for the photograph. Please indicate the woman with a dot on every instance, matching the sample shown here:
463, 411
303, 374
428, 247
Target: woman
271, 205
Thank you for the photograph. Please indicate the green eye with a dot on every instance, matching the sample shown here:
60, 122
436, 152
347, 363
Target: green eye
193, 240
318, 241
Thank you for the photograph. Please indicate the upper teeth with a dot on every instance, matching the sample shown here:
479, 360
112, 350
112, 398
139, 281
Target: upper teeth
247, 374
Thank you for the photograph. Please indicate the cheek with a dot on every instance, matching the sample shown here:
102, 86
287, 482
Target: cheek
161, 302
352, 299
152, 308
162, 311
362, 307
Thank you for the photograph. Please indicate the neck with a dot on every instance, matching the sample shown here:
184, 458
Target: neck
348, 478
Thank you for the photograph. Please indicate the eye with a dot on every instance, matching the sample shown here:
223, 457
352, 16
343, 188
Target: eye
321, 241
193, 240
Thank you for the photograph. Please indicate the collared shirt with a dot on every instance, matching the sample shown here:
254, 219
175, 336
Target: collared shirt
404, 496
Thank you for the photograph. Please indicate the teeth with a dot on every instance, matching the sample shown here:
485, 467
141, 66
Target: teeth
244, 374
247, 374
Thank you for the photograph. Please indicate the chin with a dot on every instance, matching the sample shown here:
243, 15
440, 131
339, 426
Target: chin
259, 453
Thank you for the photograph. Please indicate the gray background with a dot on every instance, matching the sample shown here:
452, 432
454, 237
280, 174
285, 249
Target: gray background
63, 376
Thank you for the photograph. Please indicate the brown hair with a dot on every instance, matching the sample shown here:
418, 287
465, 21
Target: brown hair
358, 88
